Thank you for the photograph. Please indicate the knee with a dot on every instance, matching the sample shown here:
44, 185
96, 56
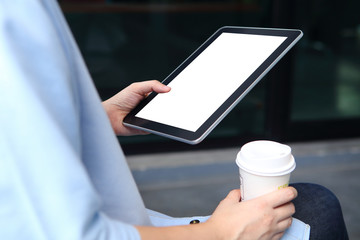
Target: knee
317, 201
319, 207
317, 197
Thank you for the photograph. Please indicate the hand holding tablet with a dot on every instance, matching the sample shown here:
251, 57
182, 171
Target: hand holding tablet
208, 84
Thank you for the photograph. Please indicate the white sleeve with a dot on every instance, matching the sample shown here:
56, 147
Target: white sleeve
162, 220
46, 192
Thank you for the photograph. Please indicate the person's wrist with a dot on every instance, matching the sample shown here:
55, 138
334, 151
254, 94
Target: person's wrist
214, 231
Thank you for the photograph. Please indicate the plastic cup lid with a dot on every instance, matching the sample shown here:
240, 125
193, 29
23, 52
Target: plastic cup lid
266, 158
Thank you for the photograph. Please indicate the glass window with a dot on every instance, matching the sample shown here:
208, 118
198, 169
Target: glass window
326, 78
141, 40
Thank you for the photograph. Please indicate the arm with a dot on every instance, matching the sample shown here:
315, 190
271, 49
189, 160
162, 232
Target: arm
118, 106
49, 192
266, 217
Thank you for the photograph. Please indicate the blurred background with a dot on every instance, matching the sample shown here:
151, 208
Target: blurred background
309, 100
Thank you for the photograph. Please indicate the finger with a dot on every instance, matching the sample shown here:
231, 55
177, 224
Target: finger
143, 88
278, 236
134, 131
285, 211
160, 88
280, 197
284, 224
234, 195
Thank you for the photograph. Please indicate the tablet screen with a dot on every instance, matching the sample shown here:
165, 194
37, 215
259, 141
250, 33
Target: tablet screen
208, 81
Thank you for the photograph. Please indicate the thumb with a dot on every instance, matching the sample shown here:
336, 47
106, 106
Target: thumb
234, 195
159, 87
143, 88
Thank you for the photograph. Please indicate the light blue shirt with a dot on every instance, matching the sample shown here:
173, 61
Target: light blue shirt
63, 174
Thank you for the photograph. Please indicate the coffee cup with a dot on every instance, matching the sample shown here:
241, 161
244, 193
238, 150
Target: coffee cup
264, 166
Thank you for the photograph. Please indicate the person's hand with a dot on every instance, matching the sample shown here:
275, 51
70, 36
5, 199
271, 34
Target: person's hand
266, 217
118, 106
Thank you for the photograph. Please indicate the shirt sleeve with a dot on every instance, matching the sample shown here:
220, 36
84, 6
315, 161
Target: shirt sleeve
163, 220
45, 191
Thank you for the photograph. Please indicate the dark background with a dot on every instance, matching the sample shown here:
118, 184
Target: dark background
313, 93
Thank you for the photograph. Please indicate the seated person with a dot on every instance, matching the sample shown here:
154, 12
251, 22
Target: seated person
63, 174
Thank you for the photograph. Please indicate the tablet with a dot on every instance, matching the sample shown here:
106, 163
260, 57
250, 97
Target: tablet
211, 81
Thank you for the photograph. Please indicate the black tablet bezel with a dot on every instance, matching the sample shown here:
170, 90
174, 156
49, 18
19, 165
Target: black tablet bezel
195, 137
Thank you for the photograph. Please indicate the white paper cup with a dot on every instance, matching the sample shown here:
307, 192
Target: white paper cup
264, 166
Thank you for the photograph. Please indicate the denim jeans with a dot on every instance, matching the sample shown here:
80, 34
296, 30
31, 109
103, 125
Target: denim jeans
320, 208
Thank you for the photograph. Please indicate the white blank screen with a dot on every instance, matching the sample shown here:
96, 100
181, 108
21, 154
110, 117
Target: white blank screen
205, 84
